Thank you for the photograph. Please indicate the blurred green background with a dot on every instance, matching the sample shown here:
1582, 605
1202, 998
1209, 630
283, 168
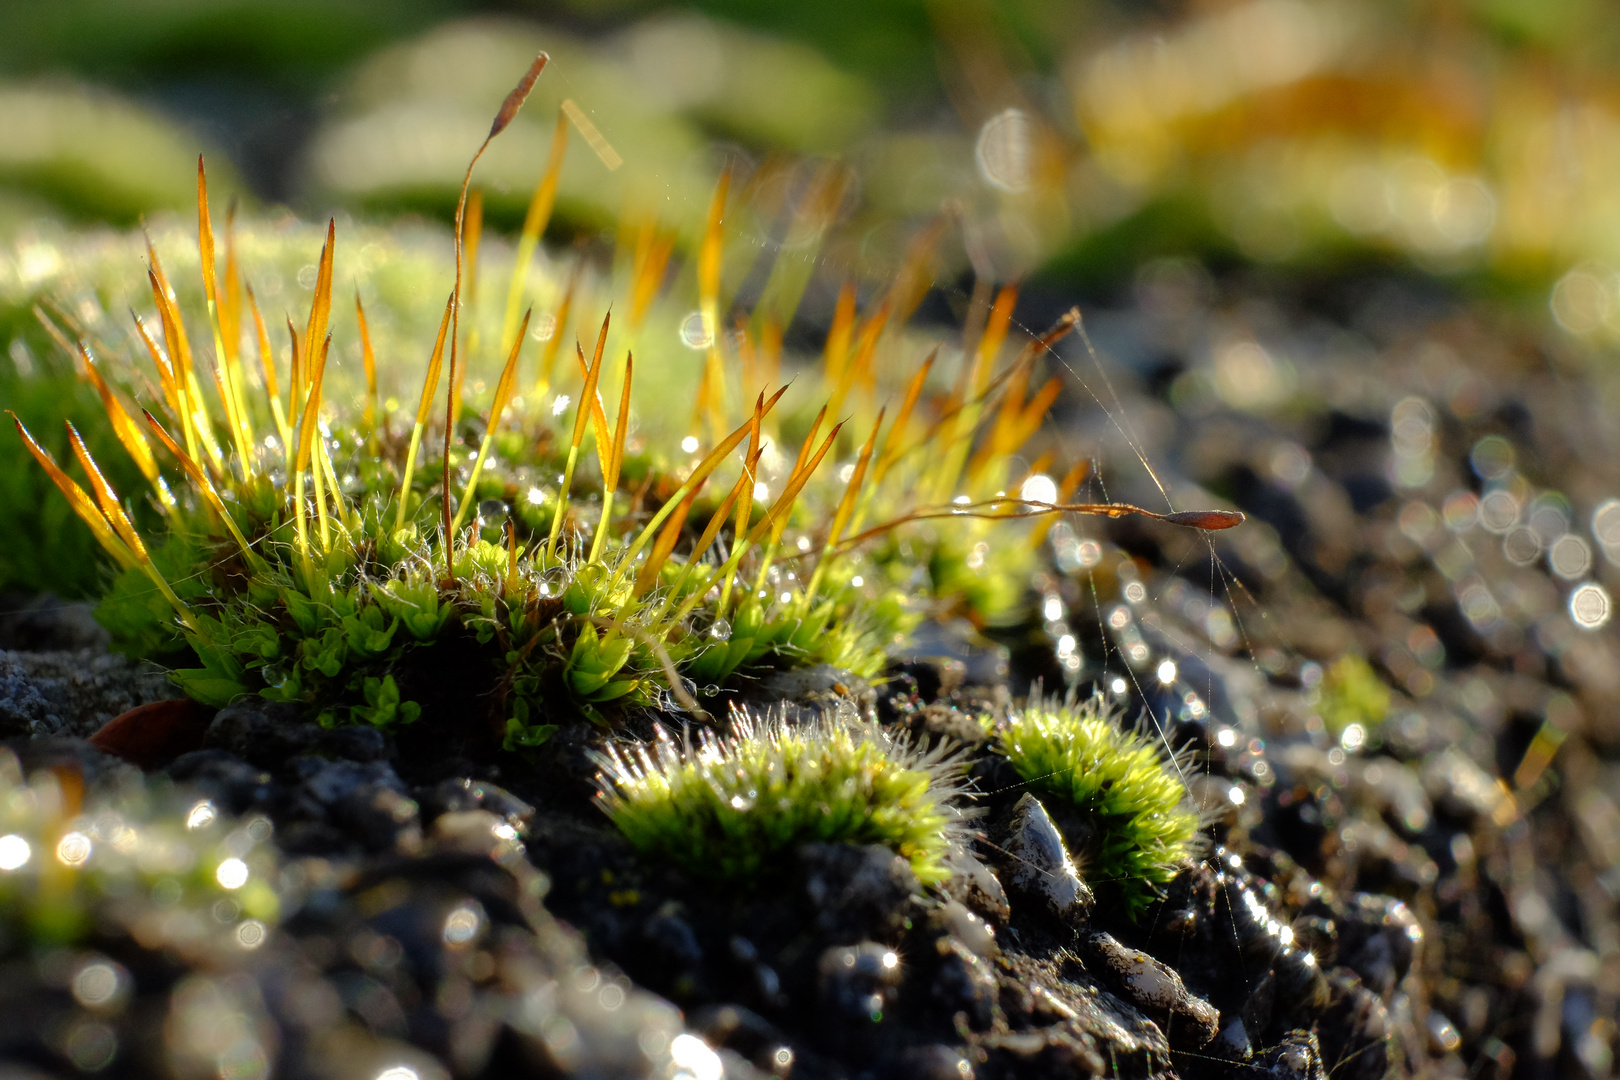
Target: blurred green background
1477, 140
1065, 143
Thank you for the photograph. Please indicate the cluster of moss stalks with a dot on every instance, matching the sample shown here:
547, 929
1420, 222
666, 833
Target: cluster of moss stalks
550, 565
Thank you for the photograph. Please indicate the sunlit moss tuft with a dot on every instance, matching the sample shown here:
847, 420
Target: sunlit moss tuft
1137, 830
732, 807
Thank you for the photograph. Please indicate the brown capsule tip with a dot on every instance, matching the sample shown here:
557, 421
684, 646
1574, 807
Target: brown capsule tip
1208, 520
520, 93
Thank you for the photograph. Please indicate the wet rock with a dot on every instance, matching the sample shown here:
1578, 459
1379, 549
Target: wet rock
232, 783
964, 985
982, 661
72, 692
819, 689
1060, 1051
382, 819
745, 1033
1297, 1057
931, 1062
976, 886
955, 919
1318, 934
478, 832
332, 782
1397, 792
354, 744
45, 623
857, 890
99, 772
1378, 938
671, 940
1299, 988
930, 678
1038, 865
941, 723
262, 733
857, 986
1233, 1042
460, 794
1156, 989
1460, 787
1354, 1031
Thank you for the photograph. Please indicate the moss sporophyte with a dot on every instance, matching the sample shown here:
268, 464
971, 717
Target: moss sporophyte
570, 555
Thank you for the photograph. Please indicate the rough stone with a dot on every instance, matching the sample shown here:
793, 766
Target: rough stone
72, 692
1156, 989
976, 886
858, 983
1038, 864
1354, 1030
227, 779
1378, 939
44, 623
262, 733
965, 985
1297, 1057
857, 890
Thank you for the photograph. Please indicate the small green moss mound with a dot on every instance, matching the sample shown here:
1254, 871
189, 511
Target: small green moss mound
732, 807
1352, 693
1120, 781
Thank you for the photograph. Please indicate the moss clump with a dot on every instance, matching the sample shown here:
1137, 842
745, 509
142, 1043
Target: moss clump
732, 807
1128, 793
1352, 693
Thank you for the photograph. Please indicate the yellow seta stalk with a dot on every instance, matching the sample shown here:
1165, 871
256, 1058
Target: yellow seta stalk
106, 535
230, 324
194, 412
695, 479
841, 517
716, 521
267, 363
306, 438
745, 503
503, 117
503, 395
226, 379
205, 487
125, 429
472, 239
612, 462
712, 394
430, 389
548, 353
774, 521
368, 360
798, 464
957, 435
586, 411
888, 448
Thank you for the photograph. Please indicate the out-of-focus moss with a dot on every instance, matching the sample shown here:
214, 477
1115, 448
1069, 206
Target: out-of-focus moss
91, 154
1352, 693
